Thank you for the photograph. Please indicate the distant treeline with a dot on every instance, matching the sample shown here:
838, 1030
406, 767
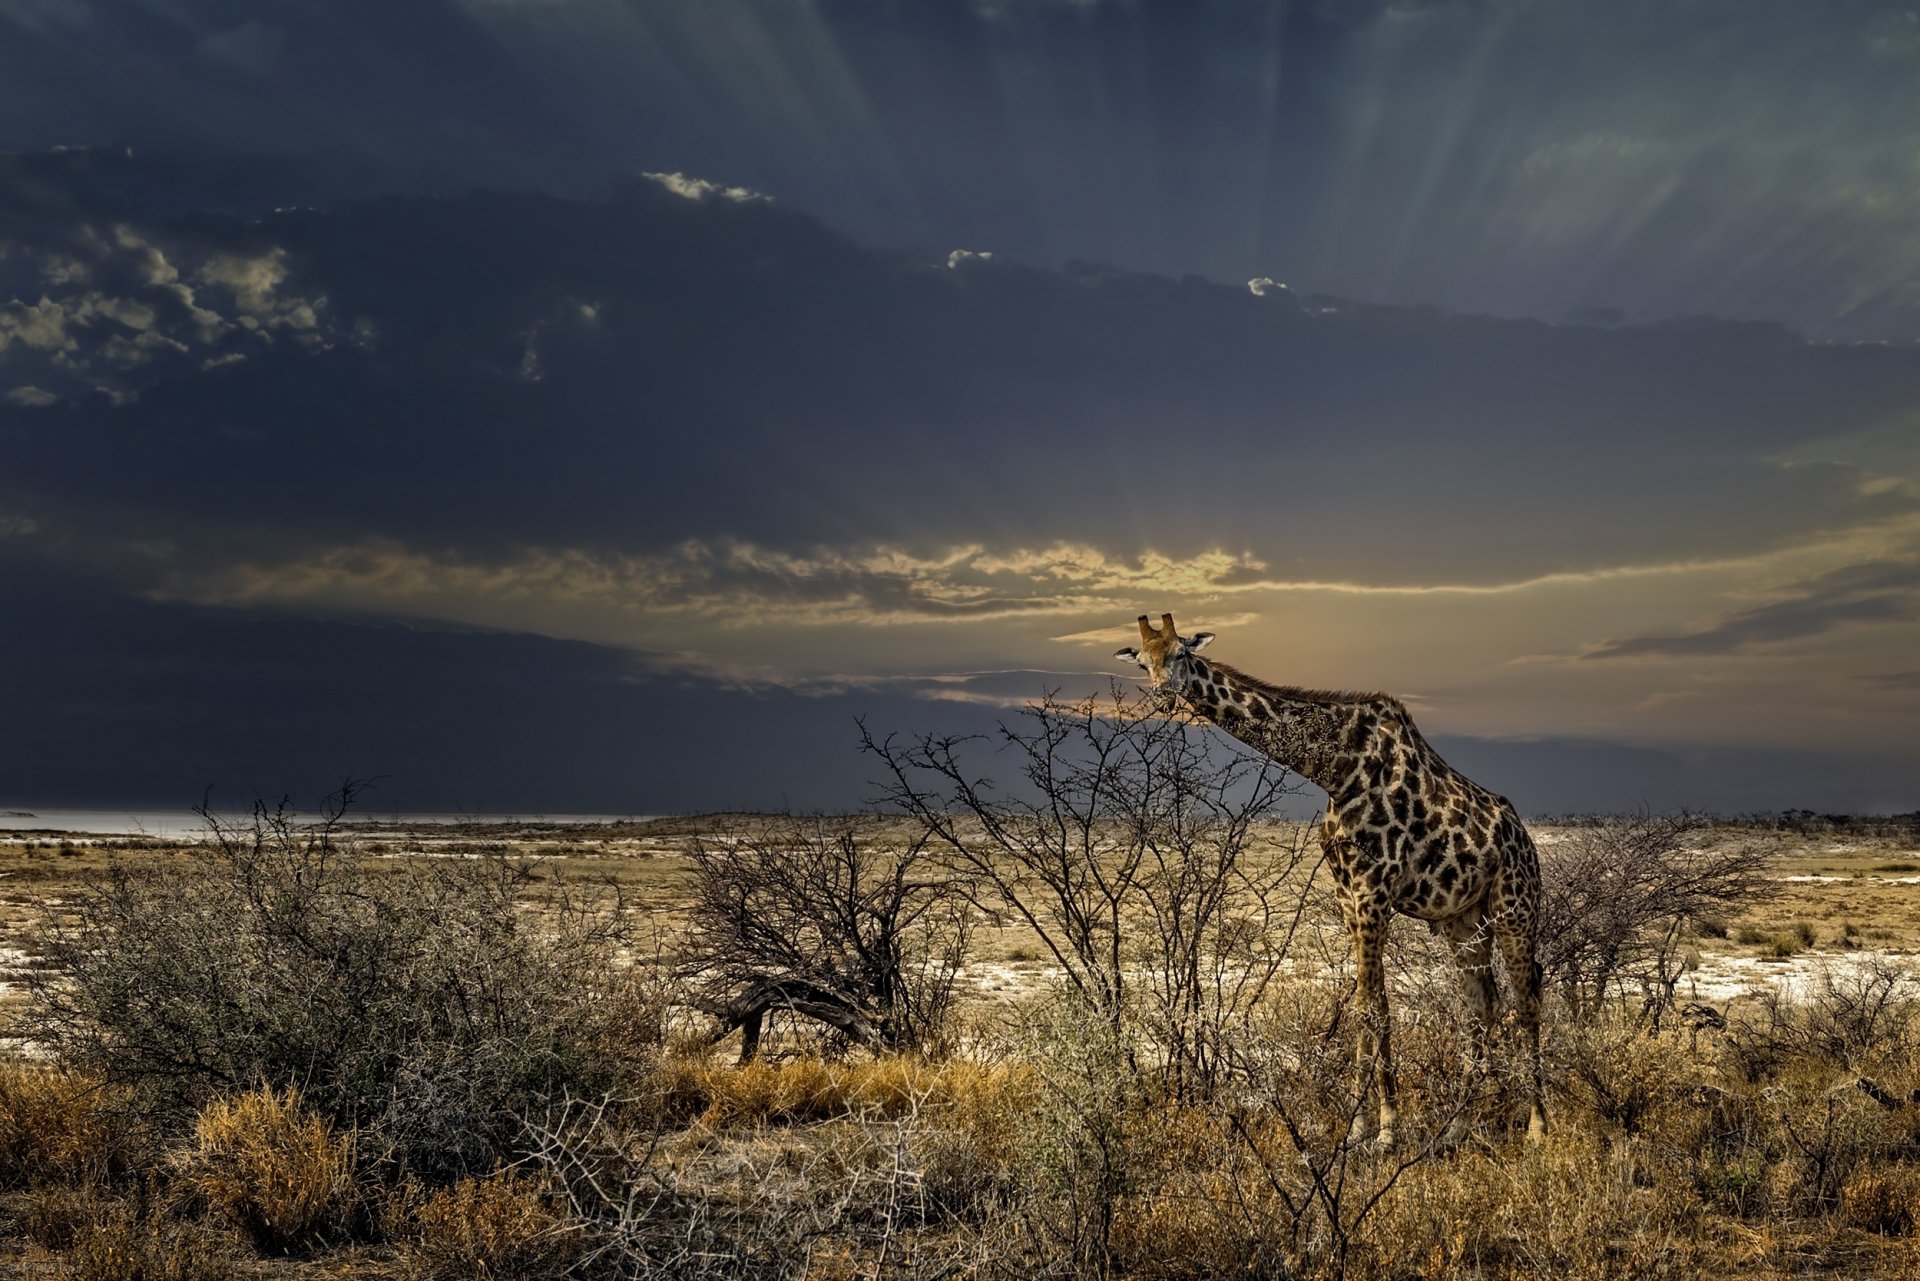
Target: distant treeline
1801, 822
1808, 822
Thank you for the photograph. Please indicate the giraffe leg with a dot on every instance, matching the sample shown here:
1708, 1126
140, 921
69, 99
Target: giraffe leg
1372, 916
1363, 1125
1472, 939
1516, 940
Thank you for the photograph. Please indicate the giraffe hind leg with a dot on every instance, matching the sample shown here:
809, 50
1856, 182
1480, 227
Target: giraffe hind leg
1516, 941
1472, 940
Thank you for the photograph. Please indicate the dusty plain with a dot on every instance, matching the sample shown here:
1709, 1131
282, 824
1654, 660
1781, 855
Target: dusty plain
1842, 899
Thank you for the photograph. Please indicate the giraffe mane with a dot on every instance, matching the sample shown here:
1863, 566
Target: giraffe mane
1303, 695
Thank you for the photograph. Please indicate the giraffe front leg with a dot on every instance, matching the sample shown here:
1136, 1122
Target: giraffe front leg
1376, 1031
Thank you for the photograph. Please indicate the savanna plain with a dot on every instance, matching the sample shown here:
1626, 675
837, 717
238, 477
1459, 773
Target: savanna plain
1095, 1024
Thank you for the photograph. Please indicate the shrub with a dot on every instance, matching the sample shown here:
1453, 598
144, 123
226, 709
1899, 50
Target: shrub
273, 1168
129, 1245
55, 1214
497, 1228
809, 1089
426, 1006
1127, 848
1881, 1199
1738, 1186
840, 905
1786, 945
56, 1125
1622, 1078
1858, 1013
1567, 1207
844, 1197
1621, 893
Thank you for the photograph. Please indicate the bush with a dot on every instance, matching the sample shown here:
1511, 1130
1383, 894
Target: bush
55, 1214
56, 1126
1881, 1199
274, 1169
501, 1227
845, 1199
803, 1090
1620, 895
842, 906
426, 1006
1141, 852
127, 1244
1622, 1079
1786, 945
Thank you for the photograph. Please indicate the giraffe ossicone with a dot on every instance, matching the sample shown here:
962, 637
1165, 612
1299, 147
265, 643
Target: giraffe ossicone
1404, 833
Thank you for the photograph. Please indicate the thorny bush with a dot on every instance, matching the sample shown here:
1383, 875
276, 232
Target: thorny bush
429, 1003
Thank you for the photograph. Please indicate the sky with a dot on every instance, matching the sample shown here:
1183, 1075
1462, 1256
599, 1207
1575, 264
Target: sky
594, 406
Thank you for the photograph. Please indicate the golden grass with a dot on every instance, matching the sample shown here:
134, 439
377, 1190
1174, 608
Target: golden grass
1882, 1199
273, 1168
497, 1228
56, 1126
1668, 1157
809, 1089
126, 1245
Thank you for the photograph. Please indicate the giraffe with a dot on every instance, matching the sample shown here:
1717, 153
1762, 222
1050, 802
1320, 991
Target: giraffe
1404, 832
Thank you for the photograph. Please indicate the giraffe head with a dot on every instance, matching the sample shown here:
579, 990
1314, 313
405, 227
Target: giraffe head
1164, 654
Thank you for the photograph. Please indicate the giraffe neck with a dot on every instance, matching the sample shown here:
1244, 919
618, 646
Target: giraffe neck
1327, 741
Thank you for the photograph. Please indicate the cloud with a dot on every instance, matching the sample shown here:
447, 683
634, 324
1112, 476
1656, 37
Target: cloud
103, 678
690, 188
751, 454
733, 584
1893, 682
1876, 592
1124, 633
255, 281
1491, 157
744, 372
252, 48
88, 308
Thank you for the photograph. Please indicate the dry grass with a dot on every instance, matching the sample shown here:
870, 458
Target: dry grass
498, 1228
1675, 1153
1882, 1199
272, 1168
809, 1089
128, 1245
57, 1126
1571, 1206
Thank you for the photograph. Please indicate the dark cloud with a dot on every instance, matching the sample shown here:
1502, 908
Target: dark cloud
1878, 592
142, 704
136, 704
727, 369
1898, 682
1570, 776
867, 443
1654, 158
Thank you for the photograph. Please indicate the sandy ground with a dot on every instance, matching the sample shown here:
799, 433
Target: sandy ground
1859, 902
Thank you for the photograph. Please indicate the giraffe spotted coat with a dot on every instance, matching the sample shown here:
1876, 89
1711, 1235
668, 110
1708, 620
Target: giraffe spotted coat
1404, 833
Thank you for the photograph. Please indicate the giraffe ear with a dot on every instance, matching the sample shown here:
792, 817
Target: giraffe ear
1197, 641
1131, 654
